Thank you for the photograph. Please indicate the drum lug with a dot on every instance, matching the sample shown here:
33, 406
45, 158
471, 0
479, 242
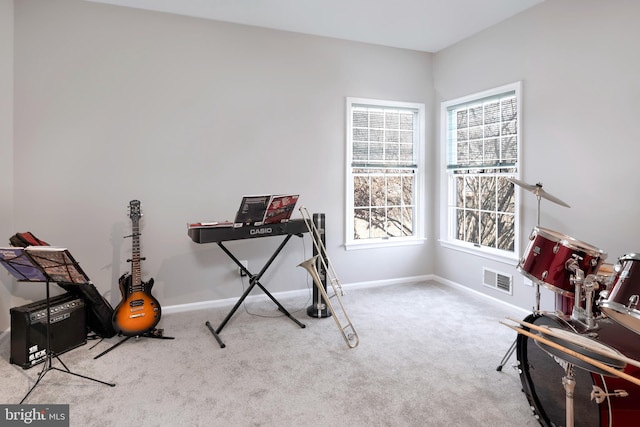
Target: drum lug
633, 302
556, 248
544, 275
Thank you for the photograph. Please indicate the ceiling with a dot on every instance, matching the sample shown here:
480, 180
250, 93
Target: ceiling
424, 25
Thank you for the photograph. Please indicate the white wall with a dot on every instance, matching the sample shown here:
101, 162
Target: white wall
187, 115
6, 149
579, 66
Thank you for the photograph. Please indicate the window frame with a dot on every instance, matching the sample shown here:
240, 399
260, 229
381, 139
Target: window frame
419, 178
447, 238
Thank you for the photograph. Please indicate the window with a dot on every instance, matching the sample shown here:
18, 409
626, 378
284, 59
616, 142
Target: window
384, 172
481, 140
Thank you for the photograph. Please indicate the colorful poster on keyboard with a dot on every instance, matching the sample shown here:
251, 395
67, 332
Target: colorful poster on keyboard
252, 210
280, 208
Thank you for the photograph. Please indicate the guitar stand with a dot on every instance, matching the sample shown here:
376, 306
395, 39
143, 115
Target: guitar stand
151, 333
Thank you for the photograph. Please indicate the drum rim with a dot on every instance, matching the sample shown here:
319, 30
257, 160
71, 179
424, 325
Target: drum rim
619, 308
525, 378
614, 309
571, 242
634, 256
585, 351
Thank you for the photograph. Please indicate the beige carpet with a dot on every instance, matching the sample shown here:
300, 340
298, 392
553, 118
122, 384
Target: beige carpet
427, 357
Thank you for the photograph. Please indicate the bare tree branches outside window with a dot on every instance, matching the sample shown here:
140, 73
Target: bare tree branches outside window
482, 149
383, 171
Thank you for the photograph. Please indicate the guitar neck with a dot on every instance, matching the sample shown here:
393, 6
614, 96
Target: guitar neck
136, 278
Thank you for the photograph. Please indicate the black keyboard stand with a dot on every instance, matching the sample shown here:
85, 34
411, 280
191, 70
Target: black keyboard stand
254, 280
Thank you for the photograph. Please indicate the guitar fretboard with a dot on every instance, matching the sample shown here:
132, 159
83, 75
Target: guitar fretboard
136, 279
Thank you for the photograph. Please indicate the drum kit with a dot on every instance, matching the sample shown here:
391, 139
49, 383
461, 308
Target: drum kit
594, 328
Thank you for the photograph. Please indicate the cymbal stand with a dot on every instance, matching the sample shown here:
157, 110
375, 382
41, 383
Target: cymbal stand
536, 309
538, 192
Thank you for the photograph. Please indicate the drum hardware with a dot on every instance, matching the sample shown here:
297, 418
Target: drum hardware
589, 284
599, 395
347, 330
569, 385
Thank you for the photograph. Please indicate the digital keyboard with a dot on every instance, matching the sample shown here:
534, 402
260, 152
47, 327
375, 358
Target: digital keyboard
208, 234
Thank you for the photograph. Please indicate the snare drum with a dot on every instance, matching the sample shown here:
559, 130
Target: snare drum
621, 301
546, 256
541, 375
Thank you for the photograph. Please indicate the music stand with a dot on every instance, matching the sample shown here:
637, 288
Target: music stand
53, 265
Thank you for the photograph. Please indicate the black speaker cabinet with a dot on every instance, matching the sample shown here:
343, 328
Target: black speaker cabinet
67, 329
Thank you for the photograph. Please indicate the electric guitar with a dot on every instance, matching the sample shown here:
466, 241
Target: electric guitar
139, 311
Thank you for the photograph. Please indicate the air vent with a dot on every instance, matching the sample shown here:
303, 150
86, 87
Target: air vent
497, 280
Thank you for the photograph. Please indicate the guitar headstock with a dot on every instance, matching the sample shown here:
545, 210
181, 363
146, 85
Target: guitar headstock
134, 210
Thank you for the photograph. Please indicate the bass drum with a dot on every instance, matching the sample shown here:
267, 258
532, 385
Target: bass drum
541, 376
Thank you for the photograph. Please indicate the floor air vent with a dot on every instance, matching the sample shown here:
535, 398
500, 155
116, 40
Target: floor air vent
497, 280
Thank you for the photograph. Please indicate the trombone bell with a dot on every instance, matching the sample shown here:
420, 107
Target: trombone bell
346, 327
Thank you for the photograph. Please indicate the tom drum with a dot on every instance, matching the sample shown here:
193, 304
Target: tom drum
621, 301
545, 259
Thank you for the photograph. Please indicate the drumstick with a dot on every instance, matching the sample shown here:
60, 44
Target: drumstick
595, 349
575, 354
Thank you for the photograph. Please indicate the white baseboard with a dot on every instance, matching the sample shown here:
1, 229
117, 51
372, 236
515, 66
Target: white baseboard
447, 282
181, 308
203, 305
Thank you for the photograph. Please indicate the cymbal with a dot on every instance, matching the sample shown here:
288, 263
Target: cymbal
538, 191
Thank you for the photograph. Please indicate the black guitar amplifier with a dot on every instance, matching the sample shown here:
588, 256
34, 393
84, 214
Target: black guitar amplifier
67, 329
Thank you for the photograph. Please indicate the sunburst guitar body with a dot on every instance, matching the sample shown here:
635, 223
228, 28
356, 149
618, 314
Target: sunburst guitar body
138, 311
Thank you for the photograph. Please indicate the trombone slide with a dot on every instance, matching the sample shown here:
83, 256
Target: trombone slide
347, 330
346, 327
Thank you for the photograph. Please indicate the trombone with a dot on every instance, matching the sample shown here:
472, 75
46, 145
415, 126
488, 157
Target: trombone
348, 331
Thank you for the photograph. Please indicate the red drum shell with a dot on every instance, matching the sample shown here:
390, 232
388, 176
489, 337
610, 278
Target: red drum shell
541, 376
546, 257
625, 288
565, 304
